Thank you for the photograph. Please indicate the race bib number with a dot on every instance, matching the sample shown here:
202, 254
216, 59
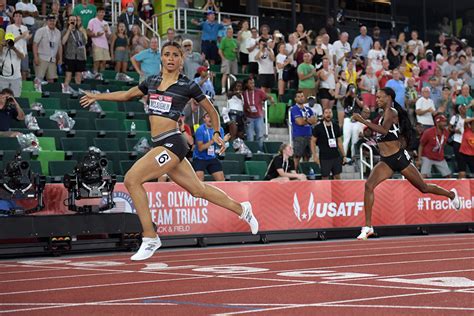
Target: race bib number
332, 142
159, 103
195, 127
253, 109
210, 150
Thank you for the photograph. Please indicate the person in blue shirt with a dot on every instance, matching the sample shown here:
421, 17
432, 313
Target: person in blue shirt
206, 151
363, 41
210, 29
398, 86
302, 119
148, 61
204, 81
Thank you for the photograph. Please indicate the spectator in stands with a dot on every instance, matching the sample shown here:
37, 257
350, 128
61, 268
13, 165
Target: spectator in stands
449, 66
211, 6
148, 61
302, 118
55, 6
146, 11
436, 92
265, 58
9, 110
302, 35
192, 60
351, 72
74, 43
170, 36
398, 86
393, 52
445, 103
265, 34
99, 31
302, 49
445, 26
425, 108
227, 24
306, 76
466, 99
29, 11
47, 51
384, 74
138, 41
331, 30
411, 97
6, 14
409, 65
327, 85
11, 54
376, 36
119, 49
454, 82
456, 127
281, 62
205, 151
340, 95
252, 47
319, 53
341, 49
235, 104
417, 44
368, 86
243, 36
253, 111
467, 144
86, 11
209, 28
331, 156
464, 68
228, 51
376, 56
129, 17
431, 149
363, 41
22, 36
351, 128
282, 167
204, 81
193, 115
427, 66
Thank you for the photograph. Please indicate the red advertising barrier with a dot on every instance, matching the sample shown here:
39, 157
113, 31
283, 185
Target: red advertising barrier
289, 206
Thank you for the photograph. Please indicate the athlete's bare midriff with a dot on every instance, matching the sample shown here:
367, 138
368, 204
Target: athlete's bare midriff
160, 124
389, 148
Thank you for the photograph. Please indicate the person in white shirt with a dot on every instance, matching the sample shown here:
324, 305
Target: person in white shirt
419, 47
30, 12
266, 73
252, 48
376, 55
22, 36
243, 35
47, 50
341, 49
11, 54
328, 48
282, 61
424, 108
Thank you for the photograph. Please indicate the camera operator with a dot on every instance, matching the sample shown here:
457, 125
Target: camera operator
351, 129
9, 109
74, 42
22, 37
10, 64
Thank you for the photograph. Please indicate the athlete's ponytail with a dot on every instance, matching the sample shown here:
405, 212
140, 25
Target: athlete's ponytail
406, 130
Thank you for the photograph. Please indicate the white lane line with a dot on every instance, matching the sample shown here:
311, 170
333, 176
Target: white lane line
448, 308
64, 277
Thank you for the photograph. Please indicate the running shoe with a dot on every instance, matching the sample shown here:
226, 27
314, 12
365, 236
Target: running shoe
365, 233
456, 201
248, 216
147, 248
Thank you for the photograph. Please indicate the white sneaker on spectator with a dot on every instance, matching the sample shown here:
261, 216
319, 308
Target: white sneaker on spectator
365, 233
247, 215
223, 91
65, 88
456, 201
147, 248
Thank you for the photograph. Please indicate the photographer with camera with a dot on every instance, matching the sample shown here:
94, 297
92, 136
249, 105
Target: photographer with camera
22, 37
9, 110
74, 42
11, 55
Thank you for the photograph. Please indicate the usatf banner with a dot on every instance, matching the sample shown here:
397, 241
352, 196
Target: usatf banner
288, 206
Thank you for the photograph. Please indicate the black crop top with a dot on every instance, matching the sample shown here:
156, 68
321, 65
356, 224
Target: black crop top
393, 133
170, 103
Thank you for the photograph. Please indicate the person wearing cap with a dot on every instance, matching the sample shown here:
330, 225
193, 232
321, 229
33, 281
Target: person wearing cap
228, 50
431, 149
205, 149
47, 51
205, 83
129, 17
148, 62
427, 66
424, 108
11, 54
86, 11
210, 28
456, 127
192, 60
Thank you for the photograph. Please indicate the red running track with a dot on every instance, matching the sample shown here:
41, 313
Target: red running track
425, 275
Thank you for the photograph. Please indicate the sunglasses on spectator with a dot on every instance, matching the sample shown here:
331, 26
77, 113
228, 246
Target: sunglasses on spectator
187, 45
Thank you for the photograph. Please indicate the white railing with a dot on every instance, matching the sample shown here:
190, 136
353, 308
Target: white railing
116, 9
363, 162
145, 26
265, 116
290, 127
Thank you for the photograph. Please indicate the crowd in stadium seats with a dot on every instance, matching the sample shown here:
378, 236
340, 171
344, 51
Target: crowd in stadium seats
48, 59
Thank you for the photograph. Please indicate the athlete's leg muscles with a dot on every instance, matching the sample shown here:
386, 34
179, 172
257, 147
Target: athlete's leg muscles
153, 165
414, 177
380, 173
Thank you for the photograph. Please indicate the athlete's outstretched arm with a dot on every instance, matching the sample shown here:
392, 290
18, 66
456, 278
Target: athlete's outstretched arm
388, 119
119, 96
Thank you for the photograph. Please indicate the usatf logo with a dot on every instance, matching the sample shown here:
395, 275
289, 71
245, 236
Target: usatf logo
123, 203
305, 215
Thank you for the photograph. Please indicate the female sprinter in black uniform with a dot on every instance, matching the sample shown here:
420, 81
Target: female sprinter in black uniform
393, 132
167, 94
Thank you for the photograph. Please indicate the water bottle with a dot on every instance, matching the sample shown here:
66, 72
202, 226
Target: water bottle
133, 127
311, 175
